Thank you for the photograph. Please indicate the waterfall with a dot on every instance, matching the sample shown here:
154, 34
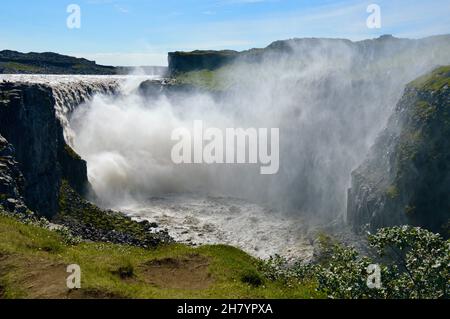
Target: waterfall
68, 96
72, 91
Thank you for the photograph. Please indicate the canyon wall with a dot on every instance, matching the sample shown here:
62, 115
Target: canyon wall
406, 177
34, 137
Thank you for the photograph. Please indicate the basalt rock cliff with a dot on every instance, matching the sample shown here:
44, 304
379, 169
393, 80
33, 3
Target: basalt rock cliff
12, 182
406, 178
36, 148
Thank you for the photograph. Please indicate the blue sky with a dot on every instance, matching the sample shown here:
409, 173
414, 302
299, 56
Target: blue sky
141, 32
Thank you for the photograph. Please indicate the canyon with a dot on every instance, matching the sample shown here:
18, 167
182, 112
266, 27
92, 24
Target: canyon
107, 140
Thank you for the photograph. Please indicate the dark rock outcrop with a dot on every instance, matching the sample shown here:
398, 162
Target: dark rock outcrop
406, 179
199, 60
92, 223
11, 180
29, 123
169, 88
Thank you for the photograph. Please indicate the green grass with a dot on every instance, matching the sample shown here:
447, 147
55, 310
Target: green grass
205, 79
20, 67
392, 192
71, 153
433, 81
31, 256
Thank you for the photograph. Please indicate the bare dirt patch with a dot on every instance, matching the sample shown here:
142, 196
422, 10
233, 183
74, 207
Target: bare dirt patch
44, 279
189, 272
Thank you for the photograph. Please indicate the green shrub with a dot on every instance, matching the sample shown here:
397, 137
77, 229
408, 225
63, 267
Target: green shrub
67, 236
125, 271
253, 278
416, 265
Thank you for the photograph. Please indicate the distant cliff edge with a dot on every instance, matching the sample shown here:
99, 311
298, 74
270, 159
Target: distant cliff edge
12, 62
369, 51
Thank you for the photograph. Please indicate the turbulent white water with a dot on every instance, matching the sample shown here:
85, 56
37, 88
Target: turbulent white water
196, 219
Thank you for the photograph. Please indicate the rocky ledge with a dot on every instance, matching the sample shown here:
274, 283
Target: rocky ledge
92, 223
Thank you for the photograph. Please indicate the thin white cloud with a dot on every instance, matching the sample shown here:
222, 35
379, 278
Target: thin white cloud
121, 9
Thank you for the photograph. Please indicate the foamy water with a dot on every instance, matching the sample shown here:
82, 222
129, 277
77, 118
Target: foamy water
71, 78
197, 220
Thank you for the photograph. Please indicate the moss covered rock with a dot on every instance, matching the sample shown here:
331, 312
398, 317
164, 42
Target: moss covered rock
90, 222
406, 179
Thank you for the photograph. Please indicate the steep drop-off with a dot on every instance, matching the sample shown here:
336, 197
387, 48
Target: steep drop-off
11, 180
29, 122
406, 178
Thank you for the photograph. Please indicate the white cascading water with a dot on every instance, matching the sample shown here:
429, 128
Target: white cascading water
70, 91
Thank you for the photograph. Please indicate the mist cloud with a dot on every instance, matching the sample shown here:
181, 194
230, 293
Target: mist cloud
328, 98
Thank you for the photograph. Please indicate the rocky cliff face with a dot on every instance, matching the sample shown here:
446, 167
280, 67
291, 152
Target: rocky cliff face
29, 123
199, 60
406, 178
12, 182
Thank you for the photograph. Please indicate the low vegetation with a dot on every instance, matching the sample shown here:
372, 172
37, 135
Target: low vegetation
413, 263
92, 223
204, 79
33, 263
433, 81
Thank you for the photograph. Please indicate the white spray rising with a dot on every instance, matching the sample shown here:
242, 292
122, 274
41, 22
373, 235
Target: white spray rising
329, 99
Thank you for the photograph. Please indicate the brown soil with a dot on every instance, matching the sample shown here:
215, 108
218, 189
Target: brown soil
188, 272
43, 279
40, 278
